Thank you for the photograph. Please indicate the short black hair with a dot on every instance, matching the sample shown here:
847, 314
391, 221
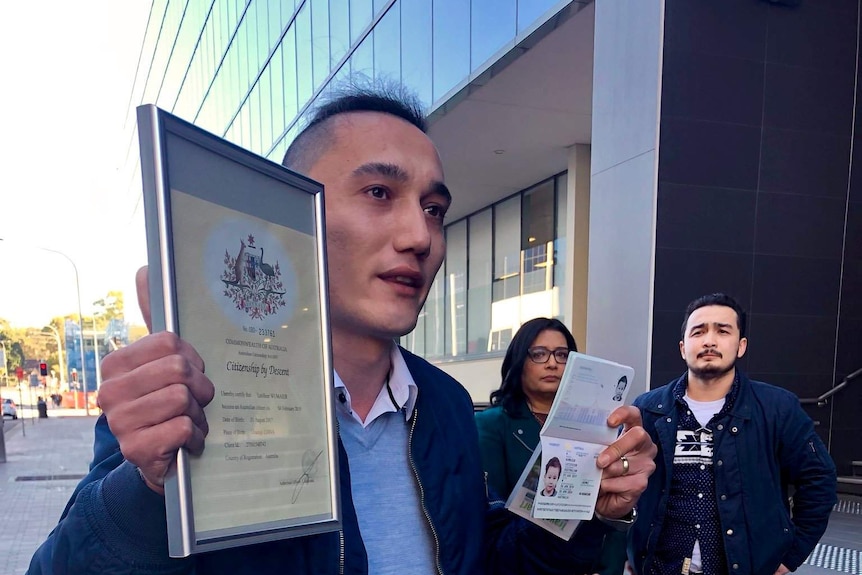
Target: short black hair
511, 392
715, 299
316, 136
553, 462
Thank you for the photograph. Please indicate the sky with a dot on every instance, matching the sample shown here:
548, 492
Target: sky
67, 72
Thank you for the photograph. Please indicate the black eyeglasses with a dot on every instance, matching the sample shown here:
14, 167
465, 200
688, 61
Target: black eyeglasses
543, 354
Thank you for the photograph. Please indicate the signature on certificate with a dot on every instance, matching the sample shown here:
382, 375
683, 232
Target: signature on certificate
309, 464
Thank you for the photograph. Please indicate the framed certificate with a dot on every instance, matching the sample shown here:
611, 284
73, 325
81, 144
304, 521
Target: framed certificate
237, 267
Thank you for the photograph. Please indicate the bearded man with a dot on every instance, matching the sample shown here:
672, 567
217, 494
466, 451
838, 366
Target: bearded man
729, 449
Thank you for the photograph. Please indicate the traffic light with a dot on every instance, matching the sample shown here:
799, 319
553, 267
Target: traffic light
43, 368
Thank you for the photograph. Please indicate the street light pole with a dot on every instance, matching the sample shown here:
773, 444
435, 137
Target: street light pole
96, 350
59, 351
80, 320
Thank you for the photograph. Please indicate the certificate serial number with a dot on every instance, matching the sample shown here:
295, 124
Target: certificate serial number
259, 330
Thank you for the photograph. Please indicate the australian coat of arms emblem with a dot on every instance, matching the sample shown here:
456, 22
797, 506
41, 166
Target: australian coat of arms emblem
254, 285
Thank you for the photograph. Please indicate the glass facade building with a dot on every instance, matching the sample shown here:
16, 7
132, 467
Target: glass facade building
609, 161
247, 71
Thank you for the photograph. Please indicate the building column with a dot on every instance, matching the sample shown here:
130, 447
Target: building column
577, 242
624, 166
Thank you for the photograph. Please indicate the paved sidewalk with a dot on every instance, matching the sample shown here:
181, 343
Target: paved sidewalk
31, 495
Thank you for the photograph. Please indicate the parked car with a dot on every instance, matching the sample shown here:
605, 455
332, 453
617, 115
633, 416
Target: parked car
10, 409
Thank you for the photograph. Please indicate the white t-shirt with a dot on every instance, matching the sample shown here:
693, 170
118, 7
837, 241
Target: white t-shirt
702, 412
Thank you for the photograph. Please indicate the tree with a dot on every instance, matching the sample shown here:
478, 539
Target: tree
14, 350
36, 344
110, 308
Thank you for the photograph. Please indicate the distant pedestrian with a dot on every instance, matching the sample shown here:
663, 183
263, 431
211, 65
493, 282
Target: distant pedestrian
42, 407
729, 450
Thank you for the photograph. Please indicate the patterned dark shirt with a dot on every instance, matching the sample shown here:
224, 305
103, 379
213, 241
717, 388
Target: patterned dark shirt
692, 512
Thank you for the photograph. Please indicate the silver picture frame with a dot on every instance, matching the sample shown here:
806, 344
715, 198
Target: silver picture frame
237, 267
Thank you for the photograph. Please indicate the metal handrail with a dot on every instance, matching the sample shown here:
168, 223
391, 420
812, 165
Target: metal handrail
821, 401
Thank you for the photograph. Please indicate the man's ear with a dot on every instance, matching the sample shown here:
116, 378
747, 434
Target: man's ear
743, 345
143, 289
682, 349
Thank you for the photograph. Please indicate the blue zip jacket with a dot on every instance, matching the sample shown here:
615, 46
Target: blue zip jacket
114, 524
766, 444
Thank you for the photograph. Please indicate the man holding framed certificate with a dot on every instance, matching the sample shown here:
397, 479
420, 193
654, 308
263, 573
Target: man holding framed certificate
412, 490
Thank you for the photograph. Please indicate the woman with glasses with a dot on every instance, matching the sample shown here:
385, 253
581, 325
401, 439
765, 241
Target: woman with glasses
509, 429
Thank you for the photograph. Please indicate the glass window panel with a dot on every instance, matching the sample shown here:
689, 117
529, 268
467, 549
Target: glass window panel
507, 249
182, 60
230, 20
288, 61
239, 49
233, 15
234, 131
260, 118
277, 94
265, 91
229, 84
456, 289
289, 136
362, 60
245, 126
276, 18
361, 14
537, 236
206, 116
208, 56
232, 134
264, 39
416, 58
340, 77
226, 75
414, 341
531, 10
434, 322
162, 52
339, 29
277, 153
451, 44
149, 47
303, 55
217, 18
560, 241
249, 24
320, 40
479, 282
538, 215
387, 44
492, 24
191, 88
252, 104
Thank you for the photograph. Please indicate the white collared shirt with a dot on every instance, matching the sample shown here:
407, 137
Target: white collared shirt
401, 384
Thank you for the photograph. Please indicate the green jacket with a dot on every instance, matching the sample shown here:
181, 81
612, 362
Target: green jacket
506, 442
